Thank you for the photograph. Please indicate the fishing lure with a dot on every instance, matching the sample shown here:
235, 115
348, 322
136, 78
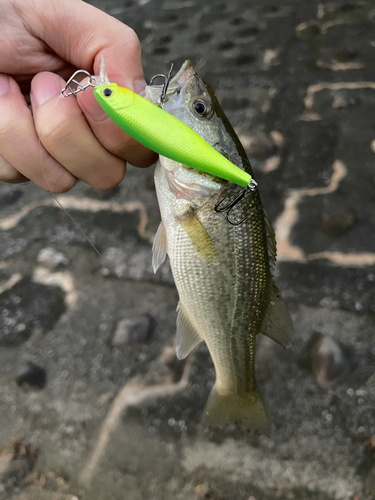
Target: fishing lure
151, 126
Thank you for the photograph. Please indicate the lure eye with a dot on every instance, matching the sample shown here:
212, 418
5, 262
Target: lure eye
201, 108
107, 92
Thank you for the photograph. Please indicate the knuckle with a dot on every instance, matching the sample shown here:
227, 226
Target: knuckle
62, 187
110, 180
53, 132
121, 144
12, 177
62, 182
7, 128
145, 160
133, 42
9, 174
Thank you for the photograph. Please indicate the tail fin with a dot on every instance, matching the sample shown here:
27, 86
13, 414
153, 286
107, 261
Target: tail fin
246, 410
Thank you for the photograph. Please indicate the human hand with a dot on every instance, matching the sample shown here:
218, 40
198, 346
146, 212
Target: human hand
42, 42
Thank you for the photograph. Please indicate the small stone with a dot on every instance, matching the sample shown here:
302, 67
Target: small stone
32, 375
271, 57
345, 54
329, 361
277, 138
137, 330
337, 224
271, 164
339, 101
51, 258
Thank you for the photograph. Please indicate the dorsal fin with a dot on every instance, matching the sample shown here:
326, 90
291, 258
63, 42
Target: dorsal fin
271, 241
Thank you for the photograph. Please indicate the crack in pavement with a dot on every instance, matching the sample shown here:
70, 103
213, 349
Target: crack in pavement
85, 205
64, 280
132, 394
284, 224
13, 280
317, 87
335, 66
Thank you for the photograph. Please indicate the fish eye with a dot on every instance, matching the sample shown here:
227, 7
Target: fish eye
201, 108
107, 92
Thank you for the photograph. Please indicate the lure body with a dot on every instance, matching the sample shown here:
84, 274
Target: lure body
163, 133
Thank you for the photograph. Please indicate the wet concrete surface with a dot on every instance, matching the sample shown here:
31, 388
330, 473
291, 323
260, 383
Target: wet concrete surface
98, 418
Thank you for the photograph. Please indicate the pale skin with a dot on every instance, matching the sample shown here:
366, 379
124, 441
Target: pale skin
60, 140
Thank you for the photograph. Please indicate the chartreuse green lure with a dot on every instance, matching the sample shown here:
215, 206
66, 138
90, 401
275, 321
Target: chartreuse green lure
163, 133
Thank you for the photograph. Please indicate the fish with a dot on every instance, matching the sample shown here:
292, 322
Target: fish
223, 272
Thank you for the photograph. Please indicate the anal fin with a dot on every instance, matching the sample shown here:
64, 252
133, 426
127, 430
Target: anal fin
277, 324
186, 335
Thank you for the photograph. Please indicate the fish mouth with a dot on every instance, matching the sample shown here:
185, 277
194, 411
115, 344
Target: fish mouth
176, 83
188, 67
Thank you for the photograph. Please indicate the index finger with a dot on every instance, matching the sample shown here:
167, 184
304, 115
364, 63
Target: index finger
81, 34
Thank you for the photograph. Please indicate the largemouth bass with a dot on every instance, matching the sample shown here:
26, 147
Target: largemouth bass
223, 272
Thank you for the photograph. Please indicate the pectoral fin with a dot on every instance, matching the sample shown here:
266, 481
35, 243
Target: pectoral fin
199, 237
186, 335
159, 248
277, 324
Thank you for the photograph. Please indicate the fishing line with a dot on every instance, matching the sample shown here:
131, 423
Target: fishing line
83, 232
66, 211
76, 224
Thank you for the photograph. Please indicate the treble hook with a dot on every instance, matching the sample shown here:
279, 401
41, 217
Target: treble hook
167, 79
70, 90
251, 187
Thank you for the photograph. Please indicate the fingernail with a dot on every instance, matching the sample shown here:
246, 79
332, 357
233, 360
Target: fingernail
4, 85
45, 86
